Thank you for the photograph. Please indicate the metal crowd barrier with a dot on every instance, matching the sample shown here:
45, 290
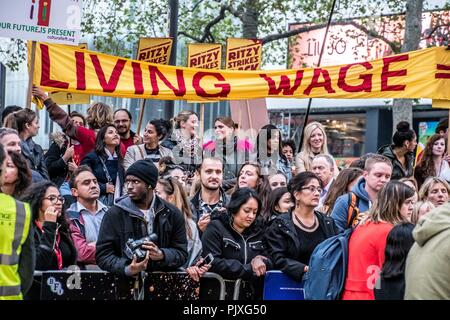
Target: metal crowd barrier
101, 285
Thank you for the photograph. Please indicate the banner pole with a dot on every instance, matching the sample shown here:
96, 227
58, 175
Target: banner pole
318, 65
31, 74
141, 115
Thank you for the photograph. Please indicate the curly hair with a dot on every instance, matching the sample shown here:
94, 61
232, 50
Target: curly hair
99, 115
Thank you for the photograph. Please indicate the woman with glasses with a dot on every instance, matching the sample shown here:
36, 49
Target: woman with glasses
54, 247
293, 236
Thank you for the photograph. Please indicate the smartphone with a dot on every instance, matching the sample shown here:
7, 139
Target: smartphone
207, 260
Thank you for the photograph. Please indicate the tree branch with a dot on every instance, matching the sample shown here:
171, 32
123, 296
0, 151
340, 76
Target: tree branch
207, 35
182, 33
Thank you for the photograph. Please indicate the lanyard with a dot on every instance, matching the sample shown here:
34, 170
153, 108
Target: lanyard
56, 248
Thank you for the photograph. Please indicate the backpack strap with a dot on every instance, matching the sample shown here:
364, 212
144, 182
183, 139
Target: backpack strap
353, 209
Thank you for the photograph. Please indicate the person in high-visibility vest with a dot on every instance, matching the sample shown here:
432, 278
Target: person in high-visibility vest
17, 257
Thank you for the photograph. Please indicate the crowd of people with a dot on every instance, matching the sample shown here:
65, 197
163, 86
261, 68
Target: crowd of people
254, 203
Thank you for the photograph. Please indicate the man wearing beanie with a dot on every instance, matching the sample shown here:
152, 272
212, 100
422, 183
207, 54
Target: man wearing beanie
136, 215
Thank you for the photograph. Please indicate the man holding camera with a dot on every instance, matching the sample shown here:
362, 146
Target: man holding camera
210, 199
141, 214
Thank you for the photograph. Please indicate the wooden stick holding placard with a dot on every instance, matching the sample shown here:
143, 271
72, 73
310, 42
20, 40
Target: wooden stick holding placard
202, 121
31, 74
141, 115
250, 122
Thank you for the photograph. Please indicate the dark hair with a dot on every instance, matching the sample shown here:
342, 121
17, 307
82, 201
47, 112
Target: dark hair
403, 133
100, 143
23, 173
2, 155
301, 179
166, 165
124, 110
199, 167
24, 117
162, 128
339, 187
240, 197
268, 128
8, 110
77, 114
442, 125
289, 143
399, 242
35, 194
75, 174
272, 202
425, 168
226, 121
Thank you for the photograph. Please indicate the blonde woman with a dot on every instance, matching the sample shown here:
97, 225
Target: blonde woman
436, 190
420, 209
314, 143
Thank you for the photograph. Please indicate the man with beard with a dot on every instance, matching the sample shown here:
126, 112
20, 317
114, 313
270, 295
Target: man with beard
210, 200
122, 121
86, 214
136, 215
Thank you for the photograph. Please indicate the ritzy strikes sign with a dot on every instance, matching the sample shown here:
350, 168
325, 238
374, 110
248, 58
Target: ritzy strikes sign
55, 21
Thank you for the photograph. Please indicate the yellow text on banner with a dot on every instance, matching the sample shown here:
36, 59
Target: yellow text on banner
417, 74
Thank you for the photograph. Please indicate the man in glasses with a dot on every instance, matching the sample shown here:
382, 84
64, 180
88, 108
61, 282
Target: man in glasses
122, 121
140, 214
85, 214
17, 253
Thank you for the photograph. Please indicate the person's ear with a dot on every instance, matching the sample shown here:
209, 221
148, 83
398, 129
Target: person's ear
74, 192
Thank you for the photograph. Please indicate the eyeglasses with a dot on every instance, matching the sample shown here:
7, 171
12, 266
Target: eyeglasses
313, 189
55, 199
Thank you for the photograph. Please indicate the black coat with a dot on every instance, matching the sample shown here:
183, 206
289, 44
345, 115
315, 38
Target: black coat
390, 288
35, 157
232, 251
124, 221
92, 159
44, 244
284, 244
398, 171
56, 166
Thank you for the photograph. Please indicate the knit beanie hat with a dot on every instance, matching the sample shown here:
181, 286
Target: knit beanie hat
144, 170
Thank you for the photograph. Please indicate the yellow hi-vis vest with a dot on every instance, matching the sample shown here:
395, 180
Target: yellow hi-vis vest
15, 217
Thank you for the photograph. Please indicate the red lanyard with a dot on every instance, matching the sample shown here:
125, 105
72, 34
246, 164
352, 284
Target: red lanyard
56, 249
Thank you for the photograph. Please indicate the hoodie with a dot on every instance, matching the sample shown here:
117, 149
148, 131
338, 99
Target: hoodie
427, 272
340, 210
125, 221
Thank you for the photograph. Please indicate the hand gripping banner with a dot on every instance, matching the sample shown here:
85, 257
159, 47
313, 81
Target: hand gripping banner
417, 74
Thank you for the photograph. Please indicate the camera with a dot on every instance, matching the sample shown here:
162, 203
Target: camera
133, 248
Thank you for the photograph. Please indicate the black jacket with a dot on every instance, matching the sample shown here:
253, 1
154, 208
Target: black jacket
35, 156
125, 221
195, 204
56, 166
44, 244
92, 159
398, 171
284, 244
233, 252
390, 288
